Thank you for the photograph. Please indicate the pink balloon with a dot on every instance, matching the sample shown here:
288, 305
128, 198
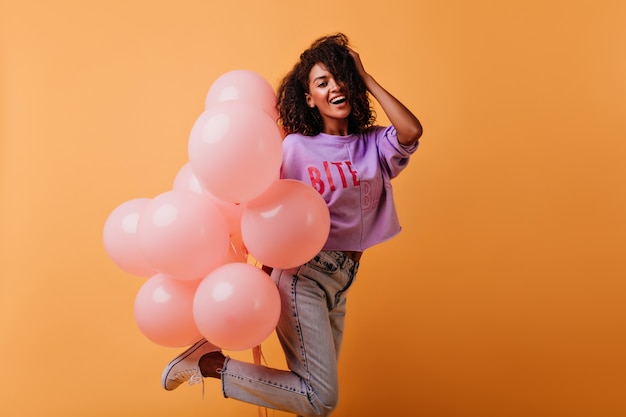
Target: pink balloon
243, 85
183, 234
164, 311
232, 213
235, 150
186, 180
287, 225
236, 306
120, 238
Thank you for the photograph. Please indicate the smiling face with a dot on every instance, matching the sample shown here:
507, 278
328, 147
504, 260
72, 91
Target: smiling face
330, 98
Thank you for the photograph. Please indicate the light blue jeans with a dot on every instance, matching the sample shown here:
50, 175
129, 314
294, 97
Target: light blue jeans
310, 330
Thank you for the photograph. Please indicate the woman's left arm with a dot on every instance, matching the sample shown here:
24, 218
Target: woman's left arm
408, 127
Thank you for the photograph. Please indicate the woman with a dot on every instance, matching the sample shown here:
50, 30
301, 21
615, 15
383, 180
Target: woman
333, 145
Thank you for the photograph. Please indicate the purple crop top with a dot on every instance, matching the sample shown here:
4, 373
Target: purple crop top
353, 173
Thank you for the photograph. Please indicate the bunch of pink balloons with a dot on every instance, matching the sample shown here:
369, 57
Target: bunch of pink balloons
228, 206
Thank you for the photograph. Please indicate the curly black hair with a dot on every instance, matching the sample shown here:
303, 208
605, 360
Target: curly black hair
294, 114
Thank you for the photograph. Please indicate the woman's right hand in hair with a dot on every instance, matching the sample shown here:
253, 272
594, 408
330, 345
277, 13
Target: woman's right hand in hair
357, 62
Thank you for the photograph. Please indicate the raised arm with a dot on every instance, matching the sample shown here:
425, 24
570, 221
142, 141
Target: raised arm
407, 126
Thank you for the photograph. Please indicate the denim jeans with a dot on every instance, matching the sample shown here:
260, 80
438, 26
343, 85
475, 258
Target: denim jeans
310, 330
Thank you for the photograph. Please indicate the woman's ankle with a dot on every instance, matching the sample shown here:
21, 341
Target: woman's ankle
211, 365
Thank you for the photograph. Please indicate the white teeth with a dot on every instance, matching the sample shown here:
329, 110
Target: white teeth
338, 100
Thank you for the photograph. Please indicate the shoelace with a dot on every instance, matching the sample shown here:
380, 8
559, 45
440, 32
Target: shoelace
195, 379
192, 376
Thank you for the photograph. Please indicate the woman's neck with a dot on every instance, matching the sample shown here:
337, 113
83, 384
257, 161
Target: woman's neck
336, 127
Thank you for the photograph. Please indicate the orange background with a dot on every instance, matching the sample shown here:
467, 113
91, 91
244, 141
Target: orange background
503, 296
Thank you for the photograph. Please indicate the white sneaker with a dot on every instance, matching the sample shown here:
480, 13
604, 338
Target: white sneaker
185, 367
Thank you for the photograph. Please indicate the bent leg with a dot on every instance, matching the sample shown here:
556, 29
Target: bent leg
309, 329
